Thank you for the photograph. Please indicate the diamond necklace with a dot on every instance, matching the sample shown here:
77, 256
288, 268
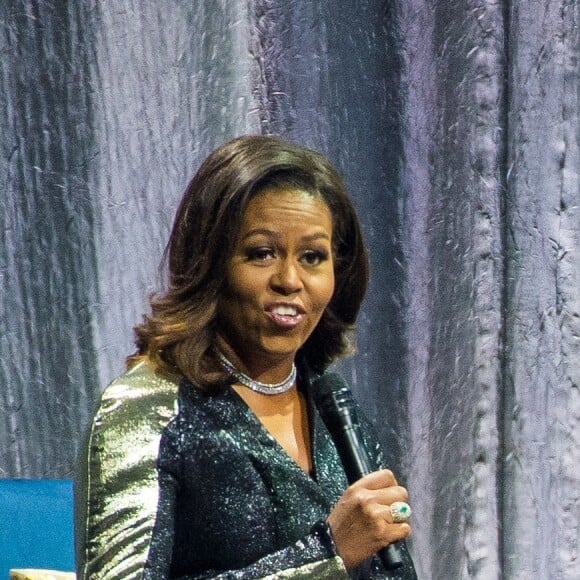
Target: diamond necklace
257, 386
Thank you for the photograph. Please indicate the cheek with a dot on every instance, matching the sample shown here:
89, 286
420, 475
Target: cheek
325, 292
240, 285
233, 301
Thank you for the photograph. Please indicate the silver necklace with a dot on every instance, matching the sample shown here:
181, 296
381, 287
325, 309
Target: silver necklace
257, 386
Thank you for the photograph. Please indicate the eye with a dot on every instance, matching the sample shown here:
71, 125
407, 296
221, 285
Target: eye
260, 254
314, 257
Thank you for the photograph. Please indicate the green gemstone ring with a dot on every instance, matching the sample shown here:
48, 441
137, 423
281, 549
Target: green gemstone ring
400, 512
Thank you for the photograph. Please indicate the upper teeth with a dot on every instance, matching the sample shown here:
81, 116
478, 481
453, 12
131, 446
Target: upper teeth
285, 310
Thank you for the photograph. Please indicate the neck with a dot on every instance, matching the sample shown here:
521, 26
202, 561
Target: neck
260, 387
263, 369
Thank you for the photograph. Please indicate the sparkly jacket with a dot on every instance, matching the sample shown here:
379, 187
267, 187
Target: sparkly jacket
178, 484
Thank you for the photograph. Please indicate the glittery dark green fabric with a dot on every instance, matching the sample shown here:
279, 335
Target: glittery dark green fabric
182, 485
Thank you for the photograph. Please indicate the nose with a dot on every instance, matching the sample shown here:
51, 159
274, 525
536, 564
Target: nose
286, 279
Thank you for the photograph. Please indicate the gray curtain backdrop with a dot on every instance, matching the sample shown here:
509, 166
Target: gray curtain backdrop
455, 124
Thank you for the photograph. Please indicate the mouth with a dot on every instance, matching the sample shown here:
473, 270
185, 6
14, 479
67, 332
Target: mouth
285, 315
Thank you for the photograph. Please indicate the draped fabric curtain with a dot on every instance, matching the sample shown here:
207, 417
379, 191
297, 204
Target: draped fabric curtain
455, 125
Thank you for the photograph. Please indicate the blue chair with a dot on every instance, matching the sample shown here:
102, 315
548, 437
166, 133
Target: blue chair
36, 525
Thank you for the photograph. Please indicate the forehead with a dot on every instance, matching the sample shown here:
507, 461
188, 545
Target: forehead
283, 206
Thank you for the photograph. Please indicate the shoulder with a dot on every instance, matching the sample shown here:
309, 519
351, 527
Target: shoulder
141, 381
134, 412
138, 395
124, 438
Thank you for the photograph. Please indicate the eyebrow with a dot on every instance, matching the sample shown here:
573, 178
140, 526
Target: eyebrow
273, 234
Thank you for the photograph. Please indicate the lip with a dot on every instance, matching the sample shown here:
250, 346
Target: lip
285, 321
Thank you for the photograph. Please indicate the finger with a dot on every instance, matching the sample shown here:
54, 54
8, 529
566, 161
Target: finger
377, 480
395, 513
390, 495
399, 532
383, 529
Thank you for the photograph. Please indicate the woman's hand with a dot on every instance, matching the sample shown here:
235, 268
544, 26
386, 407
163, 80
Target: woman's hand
361, 521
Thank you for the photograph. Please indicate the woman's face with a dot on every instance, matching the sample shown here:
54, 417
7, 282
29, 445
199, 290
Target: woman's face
280, 279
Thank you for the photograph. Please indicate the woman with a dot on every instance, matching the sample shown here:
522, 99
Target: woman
208, 458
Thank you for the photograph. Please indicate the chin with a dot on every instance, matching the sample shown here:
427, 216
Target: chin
282, 347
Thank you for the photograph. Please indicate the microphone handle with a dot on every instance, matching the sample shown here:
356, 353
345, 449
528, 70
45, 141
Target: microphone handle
357, 464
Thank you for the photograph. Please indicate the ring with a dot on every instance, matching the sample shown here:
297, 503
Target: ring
400, 512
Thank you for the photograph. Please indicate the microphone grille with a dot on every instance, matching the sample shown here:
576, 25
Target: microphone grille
333, 398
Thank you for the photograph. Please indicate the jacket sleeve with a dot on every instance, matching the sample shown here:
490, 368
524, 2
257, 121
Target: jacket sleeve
117, 497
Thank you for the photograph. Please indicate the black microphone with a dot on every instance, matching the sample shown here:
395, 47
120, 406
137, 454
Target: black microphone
338, 411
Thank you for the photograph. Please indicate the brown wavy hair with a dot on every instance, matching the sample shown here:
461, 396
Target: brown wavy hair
179, 334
